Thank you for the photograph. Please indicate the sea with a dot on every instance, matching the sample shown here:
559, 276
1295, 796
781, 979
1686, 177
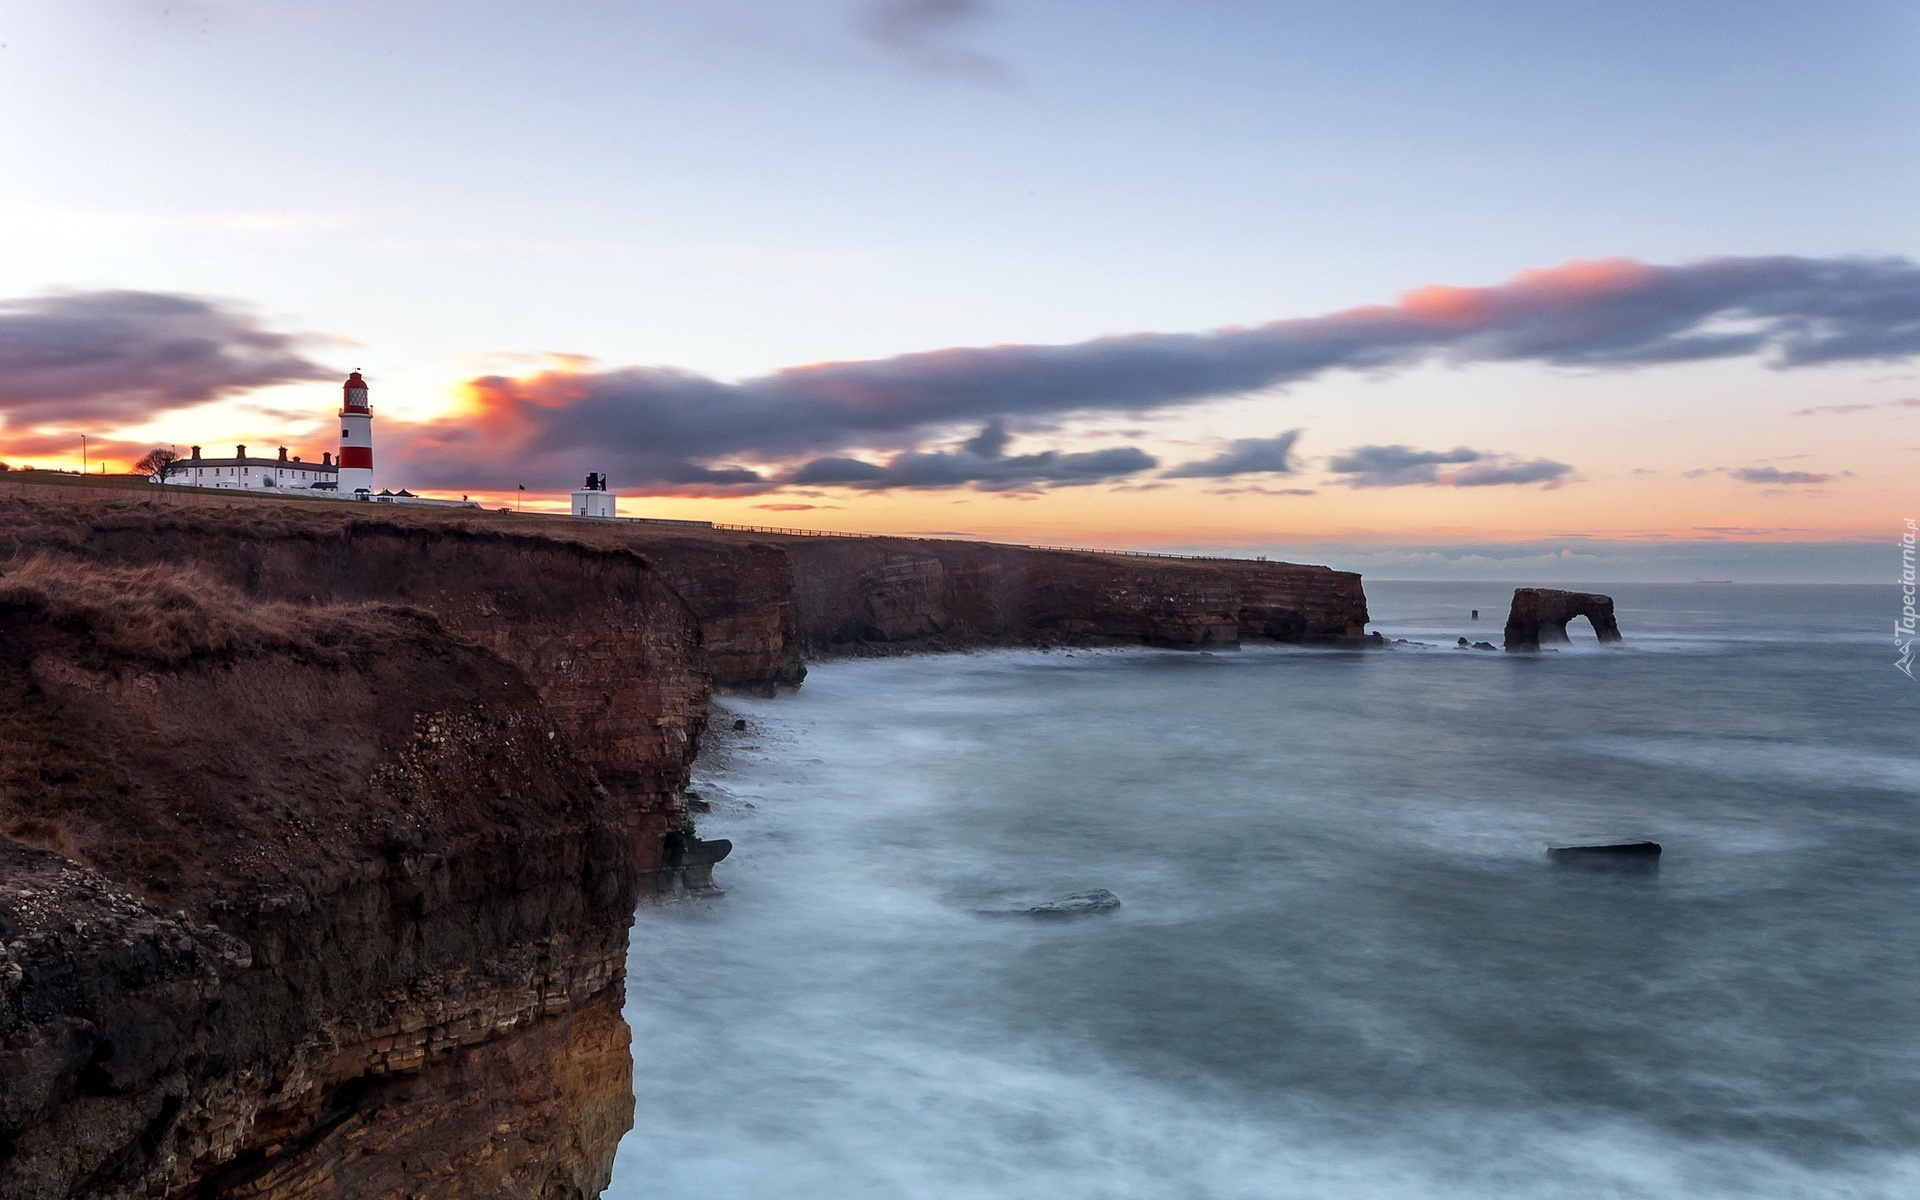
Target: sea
1343, 964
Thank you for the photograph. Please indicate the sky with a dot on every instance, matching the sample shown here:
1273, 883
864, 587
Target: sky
1504, 290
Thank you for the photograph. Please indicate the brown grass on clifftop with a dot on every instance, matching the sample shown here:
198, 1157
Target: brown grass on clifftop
163, 614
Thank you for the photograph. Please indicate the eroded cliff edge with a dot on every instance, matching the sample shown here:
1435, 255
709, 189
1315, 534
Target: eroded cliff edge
295, 901
860, 594
335, 902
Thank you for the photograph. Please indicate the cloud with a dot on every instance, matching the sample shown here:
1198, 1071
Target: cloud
666, 429
993, 473
916, 31
123, 356
1247, 456
1396, 466
1403, 466
1254, 489
794, 507
1767, 475
1839, 409
1774, 475
990, 442
1490, 474
61, 451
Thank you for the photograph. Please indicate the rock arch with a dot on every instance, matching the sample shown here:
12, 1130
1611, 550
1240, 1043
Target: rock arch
1541, 615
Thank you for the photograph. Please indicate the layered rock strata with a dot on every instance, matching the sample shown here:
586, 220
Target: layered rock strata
295, 901
611, 647
855, 593
759, 603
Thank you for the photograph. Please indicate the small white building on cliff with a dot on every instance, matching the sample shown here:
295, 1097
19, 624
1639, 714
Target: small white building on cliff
594, 500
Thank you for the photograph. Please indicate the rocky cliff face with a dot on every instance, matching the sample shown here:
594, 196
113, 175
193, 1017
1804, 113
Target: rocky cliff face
611, 647
322, 827
295, 901
740, 591
753, 606
867, 592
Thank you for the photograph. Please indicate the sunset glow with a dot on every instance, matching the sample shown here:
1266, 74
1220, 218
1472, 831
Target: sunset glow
912, 355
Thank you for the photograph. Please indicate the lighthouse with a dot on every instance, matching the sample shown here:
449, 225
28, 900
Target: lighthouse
356, 440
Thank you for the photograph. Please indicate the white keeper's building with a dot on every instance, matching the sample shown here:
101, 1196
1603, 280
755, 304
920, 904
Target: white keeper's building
241, 471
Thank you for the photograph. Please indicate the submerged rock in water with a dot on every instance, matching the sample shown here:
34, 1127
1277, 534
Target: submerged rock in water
1628, 854
1078, 904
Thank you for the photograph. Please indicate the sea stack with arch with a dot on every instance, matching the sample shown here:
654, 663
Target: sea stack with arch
1541, 615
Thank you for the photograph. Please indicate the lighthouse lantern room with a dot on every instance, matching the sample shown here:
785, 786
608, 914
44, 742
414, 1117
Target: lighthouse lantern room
356, 440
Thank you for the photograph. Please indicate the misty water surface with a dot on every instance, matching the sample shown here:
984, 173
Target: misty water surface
1343, 967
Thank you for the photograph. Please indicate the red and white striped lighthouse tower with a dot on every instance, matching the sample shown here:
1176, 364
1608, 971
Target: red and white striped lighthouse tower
356, 440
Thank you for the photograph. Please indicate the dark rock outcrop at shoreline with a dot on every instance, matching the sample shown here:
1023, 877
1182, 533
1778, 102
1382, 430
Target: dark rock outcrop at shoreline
322, 828
1540, 615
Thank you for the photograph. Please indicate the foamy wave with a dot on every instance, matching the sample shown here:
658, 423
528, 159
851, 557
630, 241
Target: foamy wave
892, 1118
1305, 995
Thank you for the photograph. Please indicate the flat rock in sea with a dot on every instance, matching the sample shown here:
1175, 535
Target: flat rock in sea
1078, 904
1629, 852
